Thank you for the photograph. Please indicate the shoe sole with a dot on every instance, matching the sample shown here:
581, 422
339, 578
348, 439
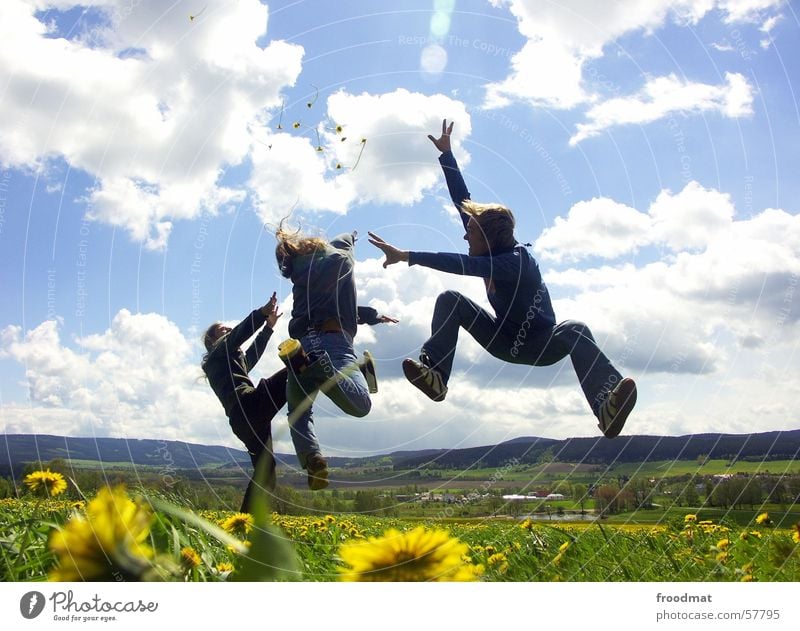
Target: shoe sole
414, 375
627, 393
370, 374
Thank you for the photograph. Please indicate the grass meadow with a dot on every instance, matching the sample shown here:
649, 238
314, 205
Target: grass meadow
121, 534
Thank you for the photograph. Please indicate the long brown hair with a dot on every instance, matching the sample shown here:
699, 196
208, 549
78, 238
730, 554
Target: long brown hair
292, 244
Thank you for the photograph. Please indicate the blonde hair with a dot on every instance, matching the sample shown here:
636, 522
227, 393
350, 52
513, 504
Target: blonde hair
496, 222
292, 244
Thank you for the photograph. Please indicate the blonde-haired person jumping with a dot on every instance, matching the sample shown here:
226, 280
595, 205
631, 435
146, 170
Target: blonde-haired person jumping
320, 352
523, 329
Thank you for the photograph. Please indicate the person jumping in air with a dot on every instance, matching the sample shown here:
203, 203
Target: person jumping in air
523, 329
320, 353
250, 409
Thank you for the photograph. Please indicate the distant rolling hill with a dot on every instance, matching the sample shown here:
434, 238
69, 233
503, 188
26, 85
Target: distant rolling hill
17, 450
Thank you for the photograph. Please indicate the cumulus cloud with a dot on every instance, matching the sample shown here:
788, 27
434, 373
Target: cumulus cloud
162, 105
569, 34
393, 165
664, 96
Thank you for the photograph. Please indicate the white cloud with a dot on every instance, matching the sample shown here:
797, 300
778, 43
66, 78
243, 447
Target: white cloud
156, 128
663, 96
569, 34
395, 166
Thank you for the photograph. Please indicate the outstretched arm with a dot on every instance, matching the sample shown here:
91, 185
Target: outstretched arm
259, 345
393, 254
368, 315
455, 182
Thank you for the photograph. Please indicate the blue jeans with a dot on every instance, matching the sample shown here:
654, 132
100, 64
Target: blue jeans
519, 344
334, 371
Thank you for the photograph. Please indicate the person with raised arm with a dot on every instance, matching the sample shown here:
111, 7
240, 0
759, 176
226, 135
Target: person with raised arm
523, 328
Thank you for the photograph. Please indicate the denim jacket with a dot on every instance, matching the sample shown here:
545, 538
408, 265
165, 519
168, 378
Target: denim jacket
323, 288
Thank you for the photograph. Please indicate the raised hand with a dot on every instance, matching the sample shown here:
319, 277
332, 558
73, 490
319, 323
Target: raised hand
270, 311
443, 142
384, 319
393, 254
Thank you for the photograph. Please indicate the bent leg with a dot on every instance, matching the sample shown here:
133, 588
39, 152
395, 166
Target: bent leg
336, 373
594, 370
454, 311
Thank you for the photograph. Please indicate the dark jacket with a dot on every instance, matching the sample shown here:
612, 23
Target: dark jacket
323, 288
227, 367
514, 283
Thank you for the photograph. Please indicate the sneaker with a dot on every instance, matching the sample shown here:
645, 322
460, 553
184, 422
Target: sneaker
317, 468
429, 380
615, 409
292, 354
367, 367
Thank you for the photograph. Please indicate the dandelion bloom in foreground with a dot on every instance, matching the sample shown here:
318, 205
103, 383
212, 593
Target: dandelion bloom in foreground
106, 543
190, 558
239, 524
51, 482
418, 555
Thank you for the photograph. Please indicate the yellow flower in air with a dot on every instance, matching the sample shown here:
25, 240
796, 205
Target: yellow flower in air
238, 524
296, 124
418, 555
762, 519
189, 557
51, 482
106, 543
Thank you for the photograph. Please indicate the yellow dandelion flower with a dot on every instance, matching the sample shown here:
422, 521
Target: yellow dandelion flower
527, 524
495, 559
755, 534
796, 533
224, 567
51, 483
762, 519
238, 524
563, 547
330, 519
688, 519
705, 522
105, 543
723, 544
747, 578
722, 557
490, 550
418, 555
189, 557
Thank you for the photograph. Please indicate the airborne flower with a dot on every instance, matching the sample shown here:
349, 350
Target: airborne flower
418, 555
763, 519
106, 543
51, 482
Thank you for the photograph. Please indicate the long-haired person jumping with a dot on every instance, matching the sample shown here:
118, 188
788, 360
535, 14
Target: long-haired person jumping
320, 353
523, 329
250, 408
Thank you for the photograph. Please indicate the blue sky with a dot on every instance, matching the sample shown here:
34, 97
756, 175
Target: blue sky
648, 149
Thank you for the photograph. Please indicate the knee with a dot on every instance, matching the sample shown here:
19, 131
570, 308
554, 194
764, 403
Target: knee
575, 326
449, 298
364, 408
